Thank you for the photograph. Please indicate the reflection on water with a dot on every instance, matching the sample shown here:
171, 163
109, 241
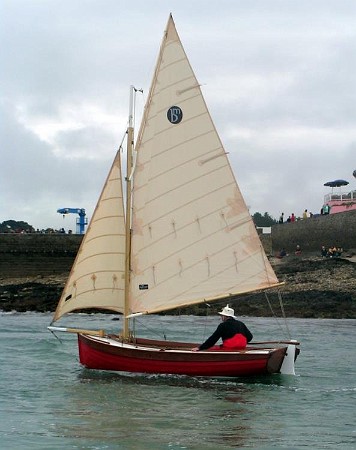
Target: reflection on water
223, 412
219, 409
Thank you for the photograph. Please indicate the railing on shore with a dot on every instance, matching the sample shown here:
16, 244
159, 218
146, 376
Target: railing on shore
339, 202
341, 196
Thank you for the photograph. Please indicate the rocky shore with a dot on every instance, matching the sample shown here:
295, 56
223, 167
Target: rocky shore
314, 287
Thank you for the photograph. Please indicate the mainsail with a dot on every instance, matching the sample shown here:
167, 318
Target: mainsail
193, 238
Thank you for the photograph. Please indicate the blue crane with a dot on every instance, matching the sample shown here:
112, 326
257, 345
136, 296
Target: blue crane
81, 220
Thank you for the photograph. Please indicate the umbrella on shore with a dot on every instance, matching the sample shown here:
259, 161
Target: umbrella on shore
336, 183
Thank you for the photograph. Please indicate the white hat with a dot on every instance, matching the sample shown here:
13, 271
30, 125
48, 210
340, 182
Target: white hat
227, 311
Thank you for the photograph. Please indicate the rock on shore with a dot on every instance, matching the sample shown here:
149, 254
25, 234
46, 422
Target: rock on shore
314, 287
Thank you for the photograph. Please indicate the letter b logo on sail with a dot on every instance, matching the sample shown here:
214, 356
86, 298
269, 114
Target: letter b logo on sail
174, 114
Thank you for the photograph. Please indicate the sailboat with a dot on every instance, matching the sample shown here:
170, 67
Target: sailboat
181, 235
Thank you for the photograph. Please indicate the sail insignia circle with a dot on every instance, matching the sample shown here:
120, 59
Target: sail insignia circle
175, 114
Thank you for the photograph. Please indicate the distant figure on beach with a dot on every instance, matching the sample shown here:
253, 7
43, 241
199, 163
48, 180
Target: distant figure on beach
298, 250
281, 219
289, 219
326, 209
331, 252
324, 252
292, 218
334, 252
282, 253
305, 214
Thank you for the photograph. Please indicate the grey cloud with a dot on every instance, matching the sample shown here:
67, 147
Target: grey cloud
287, 134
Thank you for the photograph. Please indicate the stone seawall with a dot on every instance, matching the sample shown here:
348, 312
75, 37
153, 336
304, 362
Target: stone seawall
329, 230
23, 255
32, 255
34, 268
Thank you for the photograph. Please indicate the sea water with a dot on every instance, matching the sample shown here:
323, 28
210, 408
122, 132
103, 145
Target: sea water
48, 401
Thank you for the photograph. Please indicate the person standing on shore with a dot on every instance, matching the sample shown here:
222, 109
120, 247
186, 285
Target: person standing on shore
233, 332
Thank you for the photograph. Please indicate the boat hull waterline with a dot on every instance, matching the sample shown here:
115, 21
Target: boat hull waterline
176, 358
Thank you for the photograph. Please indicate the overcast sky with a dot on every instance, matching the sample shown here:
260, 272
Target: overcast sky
278, 77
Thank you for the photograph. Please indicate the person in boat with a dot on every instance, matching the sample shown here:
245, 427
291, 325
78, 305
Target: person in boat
233, 332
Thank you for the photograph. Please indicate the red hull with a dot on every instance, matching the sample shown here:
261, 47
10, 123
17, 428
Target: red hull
161, 358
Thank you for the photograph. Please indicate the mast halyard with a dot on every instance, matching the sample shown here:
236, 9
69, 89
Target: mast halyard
130, 146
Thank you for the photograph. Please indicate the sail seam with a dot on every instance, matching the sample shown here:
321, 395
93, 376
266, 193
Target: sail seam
185, 184
103, 236
166, 66
189, 245
184, 163
92, 273
242, 221
169, 86
189, 302
196, 200
122, 254
232, 290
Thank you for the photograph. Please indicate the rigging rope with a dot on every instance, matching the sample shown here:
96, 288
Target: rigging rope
134, 121
122, 141
206, 321
162, 331
284, 316
154, 331
274, 315
280, 301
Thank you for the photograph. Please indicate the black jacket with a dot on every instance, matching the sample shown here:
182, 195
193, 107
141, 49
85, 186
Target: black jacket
227, 330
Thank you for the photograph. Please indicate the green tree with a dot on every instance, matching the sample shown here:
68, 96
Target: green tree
264, 220
15, 226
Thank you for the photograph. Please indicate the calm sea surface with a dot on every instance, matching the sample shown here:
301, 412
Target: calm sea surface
48, 401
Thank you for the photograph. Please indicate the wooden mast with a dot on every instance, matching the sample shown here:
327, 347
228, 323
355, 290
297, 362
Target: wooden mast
130, 145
